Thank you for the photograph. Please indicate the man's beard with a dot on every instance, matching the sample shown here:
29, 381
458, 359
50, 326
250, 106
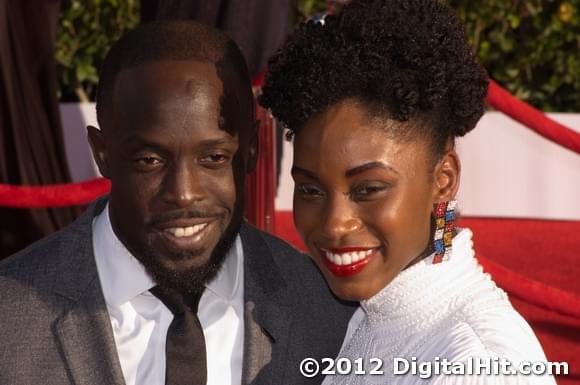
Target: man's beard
192, 281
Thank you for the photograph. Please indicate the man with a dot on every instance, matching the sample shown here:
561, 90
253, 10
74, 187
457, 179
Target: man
86, 305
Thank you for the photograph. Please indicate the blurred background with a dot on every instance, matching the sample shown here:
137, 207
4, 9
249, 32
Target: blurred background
529, 46
520, 189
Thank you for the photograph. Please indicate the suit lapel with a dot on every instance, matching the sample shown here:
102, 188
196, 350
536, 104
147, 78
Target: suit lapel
87, 342
84, 330
267, 319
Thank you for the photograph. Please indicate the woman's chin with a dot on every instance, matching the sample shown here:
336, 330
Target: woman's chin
351, 291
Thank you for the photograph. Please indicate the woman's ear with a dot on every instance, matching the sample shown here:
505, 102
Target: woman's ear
97, 142
446, 176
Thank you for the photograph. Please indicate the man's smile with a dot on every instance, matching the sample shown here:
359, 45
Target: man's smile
187, 236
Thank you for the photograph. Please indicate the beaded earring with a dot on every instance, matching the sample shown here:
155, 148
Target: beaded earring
444, 214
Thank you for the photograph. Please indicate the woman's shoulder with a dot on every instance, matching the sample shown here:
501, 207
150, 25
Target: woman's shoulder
482, 321
480, 316
492, 339
494, 332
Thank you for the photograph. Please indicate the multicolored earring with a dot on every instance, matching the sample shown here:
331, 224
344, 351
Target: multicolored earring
444, 214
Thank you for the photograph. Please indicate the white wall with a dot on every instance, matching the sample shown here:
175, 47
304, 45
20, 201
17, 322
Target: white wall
507, 169
75, 118
510, 171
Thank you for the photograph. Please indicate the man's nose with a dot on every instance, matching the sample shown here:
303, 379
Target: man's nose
183, 185
339, 218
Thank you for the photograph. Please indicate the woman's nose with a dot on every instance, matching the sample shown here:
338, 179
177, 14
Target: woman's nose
339, 218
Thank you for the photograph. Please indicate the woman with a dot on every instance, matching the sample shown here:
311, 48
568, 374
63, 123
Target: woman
374, 98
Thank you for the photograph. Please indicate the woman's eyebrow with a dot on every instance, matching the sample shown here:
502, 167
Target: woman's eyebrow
367, 166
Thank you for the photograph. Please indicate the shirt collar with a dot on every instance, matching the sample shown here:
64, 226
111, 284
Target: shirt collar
228, 281
123, 277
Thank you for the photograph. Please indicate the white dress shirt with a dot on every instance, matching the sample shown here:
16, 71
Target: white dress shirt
140, 321
450, 310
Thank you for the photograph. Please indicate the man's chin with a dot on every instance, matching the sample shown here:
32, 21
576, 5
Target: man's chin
184, 271
187, 271
182, 259
182, 262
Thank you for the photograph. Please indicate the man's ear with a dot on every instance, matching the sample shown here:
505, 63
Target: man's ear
446, 177
97, 142
253, 149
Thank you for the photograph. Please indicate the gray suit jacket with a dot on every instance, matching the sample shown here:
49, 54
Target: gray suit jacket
55, 329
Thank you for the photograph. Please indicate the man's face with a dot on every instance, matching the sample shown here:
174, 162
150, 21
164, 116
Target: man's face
175, 194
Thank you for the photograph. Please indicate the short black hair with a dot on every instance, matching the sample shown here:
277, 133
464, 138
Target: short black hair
176, 40
402, 59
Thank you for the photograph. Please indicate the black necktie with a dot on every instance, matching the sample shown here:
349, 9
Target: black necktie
185, 345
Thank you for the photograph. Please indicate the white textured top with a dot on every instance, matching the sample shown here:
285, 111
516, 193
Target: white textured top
450, 310
140, 320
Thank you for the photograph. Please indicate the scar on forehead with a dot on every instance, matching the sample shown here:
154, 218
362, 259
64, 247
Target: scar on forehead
194, 85
199, 92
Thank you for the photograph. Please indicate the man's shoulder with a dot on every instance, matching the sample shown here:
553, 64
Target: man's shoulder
279, 244
45, 258
300, 274
39, 258
285, 256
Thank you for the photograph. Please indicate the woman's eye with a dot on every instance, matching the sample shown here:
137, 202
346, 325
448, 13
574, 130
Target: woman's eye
308, 191
367, 191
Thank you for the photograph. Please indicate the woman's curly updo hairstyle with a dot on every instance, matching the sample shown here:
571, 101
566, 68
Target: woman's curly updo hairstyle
401, 59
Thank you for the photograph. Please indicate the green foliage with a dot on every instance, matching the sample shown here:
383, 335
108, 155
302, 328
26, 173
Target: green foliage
306, 8
531, 47
87, 29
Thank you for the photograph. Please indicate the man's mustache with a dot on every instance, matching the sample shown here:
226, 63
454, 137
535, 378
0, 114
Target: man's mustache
186, 214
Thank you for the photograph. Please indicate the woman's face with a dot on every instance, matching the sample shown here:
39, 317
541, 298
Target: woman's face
363, 200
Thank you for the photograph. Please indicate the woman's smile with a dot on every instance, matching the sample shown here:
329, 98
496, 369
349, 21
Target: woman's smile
365, 214
348, 261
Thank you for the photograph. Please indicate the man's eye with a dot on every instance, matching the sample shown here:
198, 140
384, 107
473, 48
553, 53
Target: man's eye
148, 161
308, 191
215, 159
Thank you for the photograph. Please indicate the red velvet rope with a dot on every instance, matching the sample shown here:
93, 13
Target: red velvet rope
533, 292
56, 195
505, 102
84, 192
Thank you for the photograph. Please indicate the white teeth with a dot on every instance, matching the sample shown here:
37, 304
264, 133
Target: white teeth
347, 258
180, 232
198, 228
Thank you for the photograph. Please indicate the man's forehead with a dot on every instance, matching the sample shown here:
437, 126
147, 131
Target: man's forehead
167, 79
163, 92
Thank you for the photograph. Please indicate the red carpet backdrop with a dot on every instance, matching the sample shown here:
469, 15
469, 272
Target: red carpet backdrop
545, 251
537, 261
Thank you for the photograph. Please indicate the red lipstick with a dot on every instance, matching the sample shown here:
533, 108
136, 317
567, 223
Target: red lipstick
351, 268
